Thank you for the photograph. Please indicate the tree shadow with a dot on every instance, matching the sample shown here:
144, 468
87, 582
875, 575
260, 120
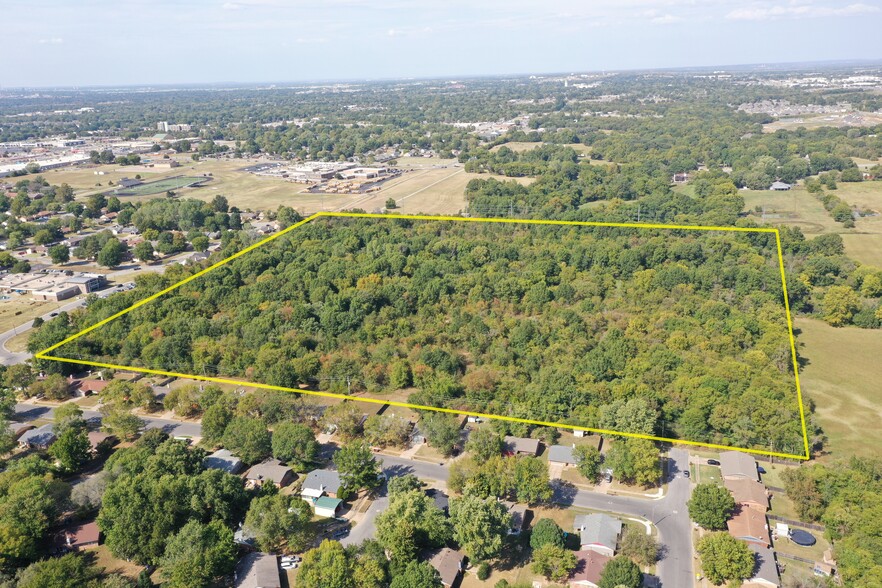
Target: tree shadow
564, 492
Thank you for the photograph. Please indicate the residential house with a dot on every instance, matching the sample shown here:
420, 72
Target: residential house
325, 506
518, 514
598, 532
780, 186
448, 562
748, 493
521, 446
320, 483
736, 465
441, 500
99, 441
765, 571
81, 536
588, 569
750, 525
39, 438
257, 570
562, 454
680, 178
17, 429
88, 387
223, 459
271, 470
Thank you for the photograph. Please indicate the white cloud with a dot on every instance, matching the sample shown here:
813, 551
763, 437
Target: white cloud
666, 19
799, 10
231, 6
52, 41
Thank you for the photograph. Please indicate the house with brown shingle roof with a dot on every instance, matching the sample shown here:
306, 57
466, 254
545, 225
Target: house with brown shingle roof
748, 493
749, 524
588, 569
521, 446
448, 562
81, 536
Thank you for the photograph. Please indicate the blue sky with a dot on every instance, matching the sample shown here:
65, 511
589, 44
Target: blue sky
98, 42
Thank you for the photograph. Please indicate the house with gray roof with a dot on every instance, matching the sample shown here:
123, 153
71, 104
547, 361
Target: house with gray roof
449, 564
562, 454
39, 438
271, 470
598, 532
521, 445
223, 459
258, 570
319, 483
737, 465
765, 571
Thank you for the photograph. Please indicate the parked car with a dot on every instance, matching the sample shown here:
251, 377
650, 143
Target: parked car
290, 565
761, 469
685, 473
713, 462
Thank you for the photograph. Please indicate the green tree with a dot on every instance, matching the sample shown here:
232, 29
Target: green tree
248, 438
326, 566
635, 461
346, 417
401, 376
279, 520
198, 554
588, 461
479, 526
358, 468
59, 254
294, 444
111, 254
68, 416
200, 243
840, 304
144, 251
405, 483
416, 575
620, 571
412, 521
554, 562
71, 449
54, 387
119, 421
711, 506
724, 558
531, 481
19, 376
546, 532
639, 546
442, 431
68, 570
214, 422
484, 443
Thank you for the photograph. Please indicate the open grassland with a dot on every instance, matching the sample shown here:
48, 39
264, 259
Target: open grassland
864, 242
432, 185
842, 377
20, 309
798, 208
816, 121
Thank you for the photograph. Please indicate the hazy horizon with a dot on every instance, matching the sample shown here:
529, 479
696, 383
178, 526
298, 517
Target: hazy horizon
140, 43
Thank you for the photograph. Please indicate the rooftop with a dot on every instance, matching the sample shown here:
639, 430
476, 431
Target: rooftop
737, 464
561, 454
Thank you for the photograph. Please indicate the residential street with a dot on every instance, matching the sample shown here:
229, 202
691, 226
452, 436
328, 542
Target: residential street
175, 428
668, 513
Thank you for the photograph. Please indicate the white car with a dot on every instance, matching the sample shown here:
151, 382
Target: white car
290, 565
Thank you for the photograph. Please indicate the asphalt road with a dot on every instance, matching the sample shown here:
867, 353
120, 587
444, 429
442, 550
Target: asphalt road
175, 428
668, 514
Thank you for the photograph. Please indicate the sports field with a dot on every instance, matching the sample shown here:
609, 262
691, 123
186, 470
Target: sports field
843, 382
161, 186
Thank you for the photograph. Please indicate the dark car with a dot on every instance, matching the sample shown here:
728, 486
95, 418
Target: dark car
761, 469
54, 314
685, 473
713, 462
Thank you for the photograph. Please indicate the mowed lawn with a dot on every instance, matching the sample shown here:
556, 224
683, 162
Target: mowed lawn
864, 242
842, 378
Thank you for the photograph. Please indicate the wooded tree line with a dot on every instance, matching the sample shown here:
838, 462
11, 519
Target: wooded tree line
644, 331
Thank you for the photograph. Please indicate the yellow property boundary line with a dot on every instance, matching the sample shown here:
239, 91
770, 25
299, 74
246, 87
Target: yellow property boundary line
44, 354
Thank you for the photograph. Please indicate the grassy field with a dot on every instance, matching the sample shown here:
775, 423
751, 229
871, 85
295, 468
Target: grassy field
521, 146
161, 186
432, 186
799, 208
864, 242
21, 309
842, 377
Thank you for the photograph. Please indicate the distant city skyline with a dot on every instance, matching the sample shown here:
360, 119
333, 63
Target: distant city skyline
160, 42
